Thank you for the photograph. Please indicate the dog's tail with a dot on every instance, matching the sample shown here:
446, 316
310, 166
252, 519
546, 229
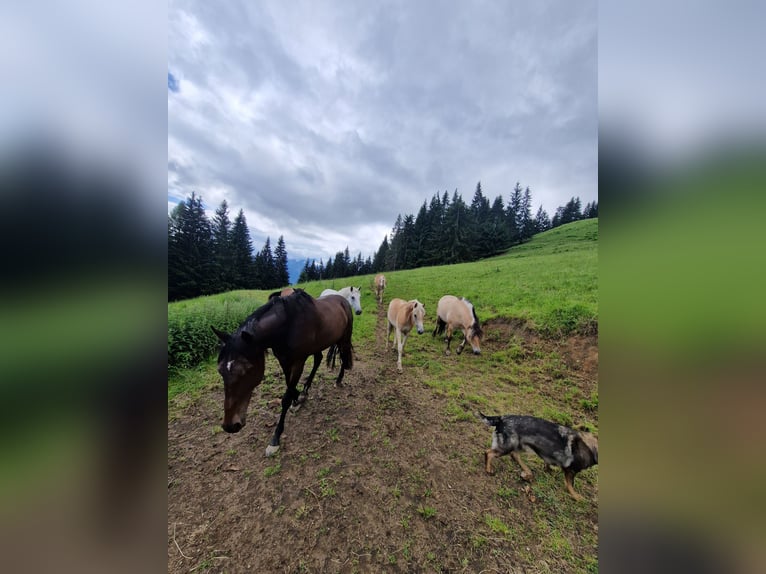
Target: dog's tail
491, 421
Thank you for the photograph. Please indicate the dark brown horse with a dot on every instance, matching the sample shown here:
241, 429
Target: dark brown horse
294, 328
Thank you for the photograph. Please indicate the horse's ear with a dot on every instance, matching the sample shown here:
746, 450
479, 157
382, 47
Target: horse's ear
224, 337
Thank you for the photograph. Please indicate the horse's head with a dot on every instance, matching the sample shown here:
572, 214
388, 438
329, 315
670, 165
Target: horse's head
418, 314
474, 336
355, 298
241, 366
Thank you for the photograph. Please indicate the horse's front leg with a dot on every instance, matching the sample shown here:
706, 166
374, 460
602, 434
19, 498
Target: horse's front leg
460, 348
307, 385
401, 341
287, 399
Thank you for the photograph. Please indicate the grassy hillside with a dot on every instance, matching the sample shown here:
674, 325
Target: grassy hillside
548, 284
386, 474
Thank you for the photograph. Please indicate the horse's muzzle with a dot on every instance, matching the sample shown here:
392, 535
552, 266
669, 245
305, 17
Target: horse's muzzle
476, 352
359, 312
232, 428
420, 331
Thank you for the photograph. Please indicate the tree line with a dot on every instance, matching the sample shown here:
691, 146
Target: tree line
206, 257
447, 230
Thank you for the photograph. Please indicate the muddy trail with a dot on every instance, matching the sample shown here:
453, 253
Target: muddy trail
381, 475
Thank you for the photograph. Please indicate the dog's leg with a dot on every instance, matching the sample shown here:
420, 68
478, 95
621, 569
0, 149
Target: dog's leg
488, 456
526, 474
569, 476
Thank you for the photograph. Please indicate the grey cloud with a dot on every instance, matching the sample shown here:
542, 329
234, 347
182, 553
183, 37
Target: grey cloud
365, 111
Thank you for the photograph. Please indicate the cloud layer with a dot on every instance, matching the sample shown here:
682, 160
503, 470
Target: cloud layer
324, 120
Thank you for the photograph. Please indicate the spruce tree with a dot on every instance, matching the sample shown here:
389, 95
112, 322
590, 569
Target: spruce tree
282, 274
542, 221
242, 254
527, 224
379, 262
223, 262
190, 251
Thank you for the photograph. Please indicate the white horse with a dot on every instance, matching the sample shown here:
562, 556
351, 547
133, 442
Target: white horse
402, 317
352, 294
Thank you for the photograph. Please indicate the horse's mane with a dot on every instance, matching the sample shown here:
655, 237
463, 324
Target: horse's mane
290, 305
476, 325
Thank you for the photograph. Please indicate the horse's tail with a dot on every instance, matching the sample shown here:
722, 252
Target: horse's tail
347, 356
440, 326
346, 353
476, 324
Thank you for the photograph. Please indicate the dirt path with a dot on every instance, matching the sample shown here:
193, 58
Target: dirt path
372, 477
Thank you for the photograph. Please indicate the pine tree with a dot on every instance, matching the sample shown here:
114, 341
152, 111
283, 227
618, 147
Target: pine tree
281, 273
242, 254
223, 262
456, 231
393, 256
542, 221
481, 233
305, 273
514, 214
499, 234
527, 224
379, 262
190, 251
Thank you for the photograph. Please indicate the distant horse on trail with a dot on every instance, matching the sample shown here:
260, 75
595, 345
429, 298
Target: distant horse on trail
352, 294
453, 313
287, 291
402, 317
294, 328
380, 286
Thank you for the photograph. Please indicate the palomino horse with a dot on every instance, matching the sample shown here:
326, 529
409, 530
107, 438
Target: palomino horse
294, 328
352, 294
286, 292
403, 316
454, 313
380, 286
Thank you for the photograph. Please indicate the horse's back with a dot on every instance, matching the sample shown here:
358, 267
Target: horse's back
454, 311
394, 307
327, 292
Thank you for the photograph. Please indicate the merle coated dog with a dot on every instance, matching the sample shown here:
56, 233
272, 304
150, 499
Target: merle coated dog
556, 444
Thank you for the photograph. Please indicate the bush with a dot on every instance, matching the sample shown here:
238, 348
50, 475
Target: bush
190, 339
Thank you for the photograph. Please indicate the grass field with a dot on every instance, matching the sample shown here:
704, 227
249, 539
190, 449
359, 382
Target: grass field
386, 474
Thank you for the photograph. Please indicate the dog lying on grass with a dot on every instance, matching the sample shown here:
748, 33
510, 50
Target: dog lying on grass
556, 444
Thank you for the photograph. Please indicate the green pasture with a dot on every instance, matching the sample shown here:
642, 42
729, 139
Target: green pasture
548, 285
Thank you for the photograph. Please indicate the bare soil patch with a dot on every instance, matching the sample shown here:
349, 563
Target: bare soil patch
378, 477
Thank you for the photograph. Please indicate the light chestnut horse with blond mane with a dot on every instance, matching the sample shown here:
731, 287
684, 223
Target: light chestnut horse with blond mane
402, 317
452, 314
380, 286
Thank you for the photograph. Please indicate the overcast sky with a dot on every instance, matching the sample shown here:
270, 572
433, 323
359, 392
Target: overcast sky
324, 120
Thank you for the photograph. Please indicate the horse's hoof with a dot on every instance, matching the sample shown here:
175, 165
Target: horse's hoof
271, 450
